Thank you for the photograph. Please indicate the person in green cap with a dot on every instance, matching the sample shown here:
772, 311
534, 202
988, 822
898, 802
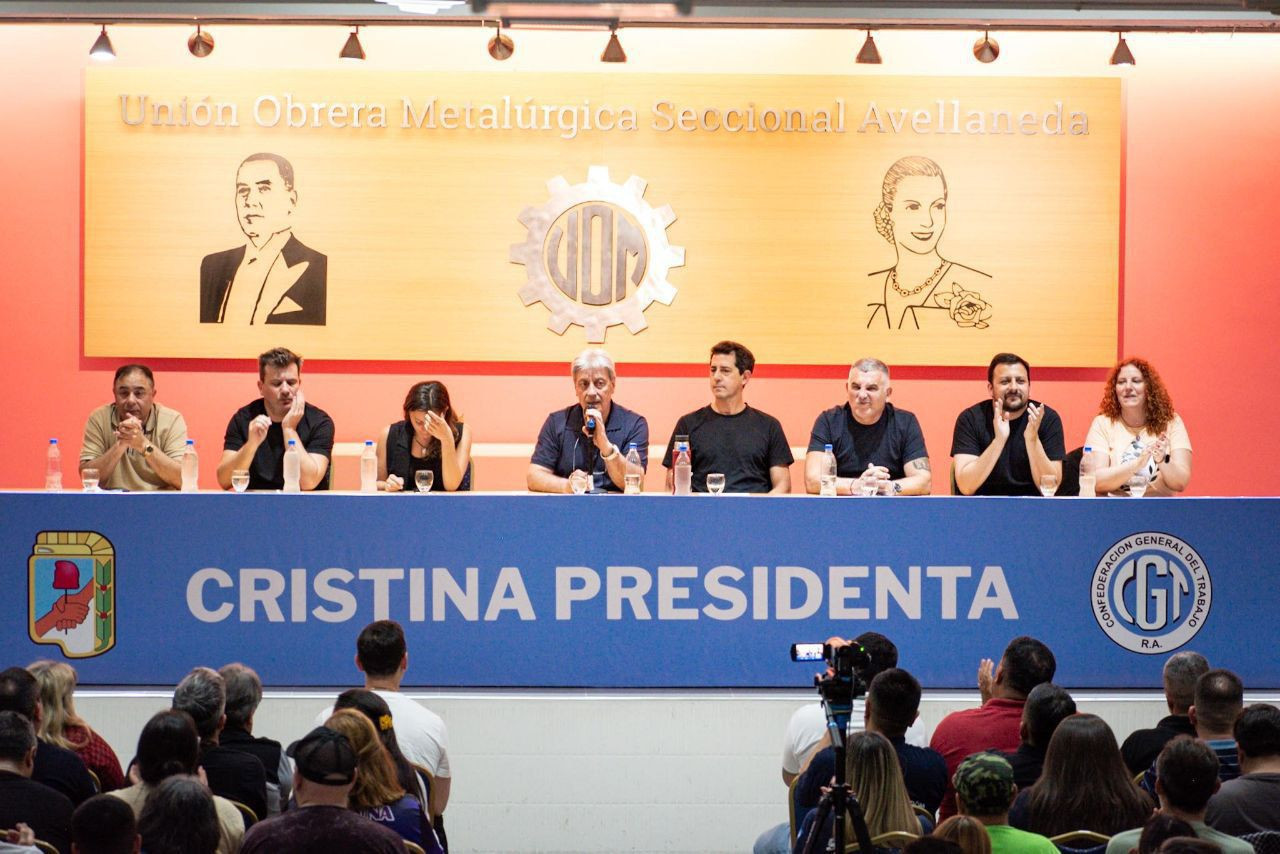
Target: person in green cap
985, 790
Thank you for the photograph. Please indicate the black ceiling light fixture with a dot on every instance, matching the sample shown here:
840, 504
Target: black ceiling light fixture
102, 49
868, 55
200, 44
1122, 55
613, 51
501, 47
352, 49
986, 49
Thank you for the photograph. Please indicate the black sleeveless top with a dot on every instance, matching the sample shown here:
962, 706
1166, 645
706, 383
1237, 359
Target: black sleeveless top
402, 462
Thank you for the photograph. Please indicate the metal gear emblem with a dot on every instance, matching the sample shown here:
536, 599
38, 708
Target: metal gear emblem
633, 250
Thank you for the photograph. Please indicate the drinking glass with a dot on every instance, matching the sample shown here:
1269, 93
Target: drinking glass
1138, 484
868, 486
579, 483
1048, 485
715, 483
240, 480
633, 483
423, 480
89, 479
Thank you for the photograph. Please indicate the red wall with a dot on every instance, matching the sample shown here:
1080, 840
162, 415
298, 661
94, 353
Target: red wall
1201, 288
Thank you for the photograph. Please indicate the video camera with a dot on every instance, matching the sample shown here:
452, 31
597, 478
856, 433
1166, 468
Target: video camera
845, 679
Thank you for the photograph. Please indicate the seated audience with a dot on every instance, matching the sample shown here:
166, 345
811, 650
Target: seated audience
1137, 431
179, 818
55, 767
873, 773
967, 832
1186, 777
104, 825
1047, 706
1084, 786
1159, 827
1251, 802
61, 725
376, 794
19, 839
1180, 673
244, 693
168, 745
995, 725
984, 790
373, 707
325, 771
430, 438
233, 774
45, 811
1218, 699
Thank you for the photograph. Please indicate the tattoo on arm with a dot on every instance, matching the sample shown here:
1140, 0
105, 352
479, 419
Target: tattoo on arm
921, 464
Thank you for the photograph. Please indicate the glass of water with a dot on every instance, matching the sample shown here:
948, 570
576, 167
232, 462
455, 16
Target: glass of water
423, 480
1048, 485
89, 479
240, 480
715, 483
579, 482
1138, 484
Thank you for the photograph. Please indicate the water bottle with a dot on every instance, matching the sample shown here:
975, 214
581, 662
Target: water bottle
292, 467
1088, 467
53, 468
634, 478
190, 468
684, 469
369, 467
828, 471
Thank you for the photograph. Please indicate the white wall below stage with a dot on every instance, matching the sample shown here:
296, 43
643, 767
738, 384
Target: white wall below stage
599, 771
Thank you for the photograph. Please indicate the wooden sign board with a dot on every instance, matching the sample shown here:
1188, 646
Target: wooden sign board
492, 217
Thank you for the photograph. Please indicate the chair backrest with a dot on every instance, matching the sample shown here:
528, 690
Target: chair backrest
413, 847
791, 809
885, 842
1073, 837
431, 805
45, 847
1070, 483
246, 811
97, 782
922, 812
1264, 841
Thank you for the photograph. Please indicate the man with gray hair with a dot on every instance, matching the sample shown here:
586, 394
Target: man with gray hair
876, 445
1181, 671
585, 445
244, 693
232, 774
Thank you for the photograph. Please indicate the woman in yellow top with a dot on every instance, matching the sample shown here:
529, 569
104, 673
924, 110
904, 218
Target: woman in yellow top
1137, 431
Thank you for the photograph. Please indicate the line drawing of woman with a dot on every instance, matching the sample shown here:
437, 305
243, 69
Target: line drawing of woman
922, 283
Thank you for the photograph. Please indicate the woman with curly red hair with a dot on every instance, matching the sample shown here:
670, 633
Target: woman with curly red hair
1137, 431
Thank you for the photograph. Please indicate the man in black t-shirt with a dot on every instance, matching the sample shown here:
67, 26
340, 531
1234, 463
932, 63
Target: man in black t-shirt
258, 433
874, 443
1005, 445
746, 445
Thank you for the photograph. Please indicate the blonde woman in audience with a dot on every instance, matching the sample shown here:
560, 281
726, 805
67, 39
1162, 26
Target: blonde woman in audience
967, 832
1136, 432
377, 794
63, 727
875, 776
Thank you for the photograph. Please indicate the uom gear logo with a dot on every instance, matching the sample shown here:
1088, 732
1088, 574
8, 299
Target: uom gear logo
71, 592
1151, 592
597, 254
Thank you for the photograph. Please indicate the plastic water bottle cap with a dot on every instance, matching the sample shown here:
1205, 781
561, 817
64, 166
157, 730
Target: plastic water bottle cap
633, 445
826, 447
53, 441
368, 442
1088, 449
292, 442
191, 443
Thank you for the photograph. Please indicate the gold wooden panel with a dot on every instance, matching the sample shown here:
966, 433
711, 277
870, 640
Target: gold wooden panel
777, 227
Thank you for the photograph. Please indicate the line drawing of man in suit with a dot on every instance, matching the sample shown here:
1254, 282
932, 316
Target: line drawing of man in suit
273, 278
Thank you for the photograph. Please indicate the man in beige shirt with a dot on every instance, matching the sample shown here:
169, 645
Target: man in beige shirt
135, 443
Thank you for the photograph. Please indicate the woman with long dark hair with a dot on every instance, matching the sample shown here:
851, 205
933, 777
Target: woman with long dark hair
430, 438
1084, 785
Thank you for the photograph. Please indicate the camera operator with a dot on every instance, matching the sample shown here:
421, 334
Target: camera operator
806, 733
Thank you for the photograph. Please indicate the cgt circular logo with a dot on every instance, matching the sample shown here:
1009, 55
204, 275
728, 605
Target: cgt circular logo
1151, 592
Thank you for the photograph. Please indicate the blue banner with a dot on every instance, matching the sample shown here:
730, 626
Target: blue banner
647, 591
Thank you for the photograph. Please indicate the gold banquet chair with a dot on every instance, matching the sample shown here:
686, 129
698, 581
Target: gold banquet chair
246, 812
1080, 839
892, 839
45, 847
413, 847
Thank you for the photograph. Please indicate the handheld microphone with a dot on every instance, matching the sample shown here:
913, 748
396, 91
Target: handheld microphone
591, 415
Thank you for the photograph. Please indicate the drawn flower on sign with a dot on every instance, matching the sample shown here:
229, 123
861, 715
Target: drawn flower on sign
966, 308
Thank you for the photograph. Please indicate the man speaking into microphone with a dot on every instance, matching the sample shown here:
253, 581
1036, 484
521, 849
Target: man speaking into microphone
585, 445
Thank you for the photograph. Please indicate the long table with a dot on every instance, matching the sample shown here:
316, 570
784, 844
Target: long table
650, 591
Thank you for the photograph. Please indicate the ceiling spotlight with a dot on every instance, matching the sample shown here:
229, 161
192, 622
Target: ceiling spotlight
868, 55
200, 44
501, 46
986, 49
352, 49
102, 49
1122, 55
613, 51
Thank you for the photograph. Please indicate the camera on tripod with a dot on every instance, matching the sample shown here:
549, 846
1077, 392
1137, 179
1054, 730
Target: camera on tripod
846, 677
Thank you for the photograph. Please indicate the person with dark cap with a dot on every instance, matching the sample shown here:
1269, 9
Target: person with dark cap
1047, 706
995, 725
324, 771
985, 790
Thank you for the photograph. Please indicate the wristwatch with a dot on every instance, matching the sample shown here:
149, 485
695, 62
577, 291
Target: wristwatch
613, 452
148, 450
